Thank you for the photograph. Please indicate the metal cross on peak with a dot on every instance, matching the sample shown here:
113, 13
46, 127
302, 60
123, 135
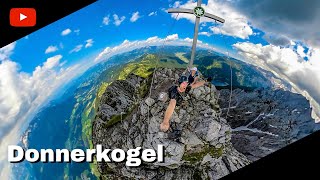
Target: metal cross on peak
199, 12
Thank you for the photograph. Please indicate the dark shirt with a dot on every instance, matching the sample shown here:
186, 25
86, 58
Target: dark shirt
174, 94
191, 78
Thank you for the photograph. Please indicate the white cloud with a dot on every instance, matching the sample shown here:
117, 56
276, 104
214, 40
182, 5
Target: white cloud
77, 31
23, 94
153, 13
191, 40
280, 23
51, 49
288, 64
106, 20
188, 40
170, 40
117, 20
176, 4
153, 39
164, 10
205, 34
135, 16
66, 32
77, 48
236, 24
89, 43
6, 51
300, 51
52, 62
296, 20
63, 63
172, 37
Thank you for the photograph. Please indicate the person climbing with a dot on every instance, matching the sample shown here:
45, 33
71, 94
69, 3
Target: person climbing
176, 97
175, 100
193, 78
193, 75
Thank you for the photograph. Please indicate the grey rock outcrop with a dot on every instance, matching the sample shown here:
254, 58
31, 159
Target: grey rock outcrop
128, 118
266, 120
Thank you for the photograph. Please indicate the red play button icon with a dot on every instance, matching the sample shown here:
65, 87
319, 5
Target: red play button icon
23, 17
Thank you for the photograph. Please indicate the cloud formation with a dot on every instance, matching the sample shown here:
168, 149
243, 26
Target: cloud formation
277, 39
288, 63
117, 20
282, 22
135, 16
23, 94
153, 13
77, 48
106, 20
89, 43
170, 40
6, 51
172, 37
205, 34
77, 31
295, 19
191, 40
236, 24
51, 49
52, 62
66, 32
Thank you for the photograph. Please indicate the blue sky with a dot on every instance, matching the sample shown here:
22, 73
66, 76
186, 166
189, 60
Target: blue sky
87, 23
264, 33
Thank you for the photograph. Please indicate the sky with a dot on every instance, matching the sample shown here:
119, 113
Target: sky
279, 36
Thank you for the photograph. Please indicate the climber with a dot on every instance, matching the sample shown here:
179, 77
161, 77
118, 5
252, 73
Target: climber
193, 75
193, 78
176, 97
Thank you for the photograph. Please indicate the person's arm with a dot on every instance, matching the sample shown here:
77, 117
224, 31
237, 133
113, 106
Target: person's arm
169, 110
195, 79
164, 126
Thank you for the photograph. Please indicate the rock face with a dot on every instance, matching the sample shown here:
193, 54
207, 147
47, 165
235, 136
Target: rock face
266, 120
129, 116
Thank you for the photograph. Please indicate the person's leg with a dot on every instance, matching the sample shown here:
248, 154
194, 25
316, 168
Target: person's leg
197, 84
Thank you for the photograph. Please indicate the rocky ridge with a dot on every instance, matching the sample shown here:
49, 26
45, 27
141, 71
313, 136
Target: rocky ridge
265, 120
129, 117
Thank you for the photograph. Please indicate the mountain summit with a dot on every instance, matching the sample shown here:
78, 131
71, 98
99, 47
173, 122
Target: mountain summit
128, 118
204, 142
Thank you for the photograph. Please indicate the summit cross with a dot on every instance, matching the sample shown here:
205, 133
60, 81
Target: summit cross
199, 12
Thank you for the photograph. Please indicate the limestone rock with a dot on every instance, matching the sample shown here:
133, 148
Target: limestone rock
205, 137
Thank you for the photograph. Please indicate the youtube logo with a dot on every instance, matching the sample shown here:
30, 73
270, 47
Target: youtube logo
23, 17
